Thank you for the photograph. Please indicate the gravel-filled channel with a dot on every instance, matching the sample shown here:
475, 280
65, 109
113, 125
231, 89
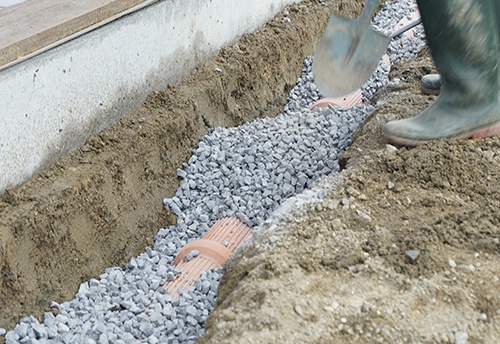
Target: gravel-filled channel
248, 171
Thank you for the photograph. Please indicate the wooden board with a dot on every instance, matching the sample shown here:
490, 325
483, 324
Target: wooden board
33, 25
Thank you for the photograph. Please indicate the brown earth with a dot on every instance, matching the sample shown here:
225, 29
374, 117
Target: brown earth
102, 204
404, 249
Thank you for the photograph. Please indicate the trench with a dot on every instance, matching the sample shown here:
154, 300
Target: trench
249, 91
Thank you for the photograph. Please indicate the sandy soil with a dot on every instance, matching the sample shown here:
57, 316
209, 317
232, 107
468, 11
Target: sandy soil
102, 205
405, 247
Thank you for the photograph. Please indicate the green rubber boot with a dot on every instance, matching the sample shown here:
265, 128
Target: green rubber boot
464, 42
431, 84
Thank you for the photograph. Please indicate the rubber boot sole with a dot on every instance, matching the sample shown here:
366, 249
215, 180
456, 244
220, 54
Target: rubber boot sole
488, 131
430, 92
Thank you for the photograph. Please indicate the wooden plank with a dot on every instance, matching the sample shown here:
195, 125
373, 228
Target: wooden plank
32, 25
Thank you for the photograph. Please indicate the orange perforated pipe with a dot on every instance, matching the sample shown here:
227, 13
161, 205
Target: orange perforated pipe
213, 251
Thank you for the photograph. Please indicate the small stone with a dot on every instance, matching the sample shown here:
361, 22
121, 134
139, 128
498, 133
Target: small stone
28, 320
188, 257
452, 263
413, 254
103, 339
363, 215
299, 311
337, 224
40, 330
489, 155
273, 239
482, 317
390, 148
12, 337
147, 329
191, 310
156, 318
2, 331
191, 321
461, 337
181, 174
343, 320
333, 204
170, 276
390, 185
204, 218
229, 315
62, 328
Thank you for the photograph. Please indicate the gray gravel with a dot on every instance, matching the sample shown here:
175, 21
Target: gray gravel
249, 171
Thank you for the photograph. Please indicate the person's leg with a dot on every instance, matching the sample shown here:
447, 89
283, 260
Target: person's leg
496, 5
466, 53
431, 83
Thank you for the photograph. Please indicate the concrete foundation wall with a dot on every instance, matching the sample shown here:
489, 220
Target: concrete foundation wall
52, 102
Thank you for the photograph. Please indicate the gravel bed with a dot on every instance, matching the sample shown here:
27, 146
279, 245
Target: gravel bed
247, 171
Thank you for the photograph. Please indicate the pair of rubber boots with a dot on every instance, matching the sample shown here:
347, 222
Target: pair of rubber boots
464, 39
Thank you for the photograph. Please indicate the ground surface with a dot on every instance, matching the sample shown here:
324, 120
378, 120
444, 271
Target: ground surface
405, 247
